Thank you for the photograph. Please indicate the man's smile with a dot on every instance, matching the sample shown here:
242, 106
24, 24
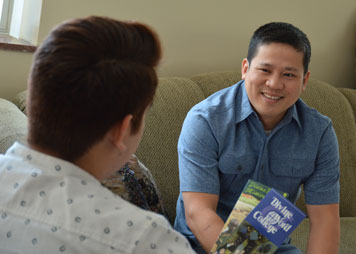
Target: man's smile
272, 97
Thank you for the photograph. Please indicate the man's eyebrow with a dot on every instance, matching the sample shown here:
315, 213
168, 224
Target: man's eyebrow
265, 64
288, 68
291, 69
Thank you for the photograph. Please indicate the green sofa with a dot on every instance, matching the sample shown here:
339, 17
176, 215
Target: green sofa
176, 95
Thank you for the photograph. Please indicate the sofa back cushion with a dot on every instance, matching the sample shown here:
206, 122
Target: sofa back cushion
212, 82
329, 101
158, 148
350, 94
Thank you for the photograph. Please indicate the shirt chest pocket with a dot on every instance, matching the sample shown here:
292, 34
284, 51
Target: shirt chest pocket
234, 170
237, 165
289, 168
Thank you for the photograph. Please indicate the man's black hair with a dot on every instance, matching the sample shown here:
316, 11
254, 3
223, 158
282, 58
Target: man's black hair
280, 32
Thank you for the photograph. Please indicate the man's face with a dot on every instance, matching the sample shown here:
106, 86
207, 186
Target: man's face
274, 81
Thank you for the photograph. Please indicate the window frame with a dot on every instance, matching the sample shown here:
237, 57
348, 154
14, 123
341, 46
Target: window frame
6, 14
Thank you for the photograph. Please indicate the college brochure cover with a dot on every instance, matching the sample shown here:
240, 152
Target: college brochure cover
259, 223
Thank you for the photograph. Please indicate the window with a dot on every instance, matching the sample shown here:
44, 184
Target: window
5, 15
19, 24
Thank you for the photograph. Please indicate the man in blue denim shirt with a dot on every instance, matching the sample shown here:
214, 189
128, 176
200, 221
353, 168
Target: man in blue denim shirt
259, 129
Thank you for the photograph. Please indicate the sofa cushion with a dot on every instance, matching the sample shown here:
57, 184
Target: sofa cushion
13, 125
134, 183
350, 94
20, 101
329, 101
212, 82
158, 148
347, 237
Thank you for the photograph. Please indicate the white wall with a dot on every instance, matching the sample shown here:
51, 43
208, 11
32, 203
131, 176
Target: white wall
209, 35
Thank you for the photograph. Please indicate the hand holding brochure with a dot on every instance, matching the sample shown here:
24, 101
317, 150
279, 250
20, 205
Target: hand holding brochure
259, 223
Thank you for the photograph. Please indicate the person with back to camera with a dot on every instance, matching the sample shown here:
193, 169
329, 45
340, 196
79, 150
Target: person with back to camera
260, 129
91, 84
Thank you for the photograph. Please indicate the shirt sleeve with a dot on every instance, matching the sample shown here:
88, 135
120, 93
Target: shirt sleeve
198, 155
323, 186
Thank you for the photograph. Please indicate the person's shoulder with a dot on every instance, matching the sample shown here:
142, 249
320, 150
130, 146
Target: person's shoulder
310, 115
218, 102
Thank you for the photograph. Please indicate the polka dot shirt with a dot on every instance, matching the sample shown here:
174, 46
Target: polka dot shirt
48, 205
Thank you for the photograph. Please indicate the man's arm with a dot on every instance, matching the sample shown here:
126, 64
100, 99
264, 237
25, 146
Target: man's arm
322, 197
324, 233
201, 217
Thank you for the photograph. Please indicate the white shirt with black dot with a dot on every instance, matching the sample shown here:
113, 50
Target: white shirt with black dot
48, 205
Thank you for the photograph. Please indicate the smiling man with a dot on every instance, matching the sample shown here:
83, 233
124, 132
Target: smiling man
259, 129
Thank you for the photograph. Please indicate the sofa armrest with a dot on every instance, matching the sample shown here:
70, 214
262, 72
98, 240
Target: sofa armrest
347, 235
13, 125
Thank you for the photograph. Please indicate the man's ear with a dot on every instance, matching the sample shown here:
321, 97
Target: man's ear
120, 131
305, 80
244, 68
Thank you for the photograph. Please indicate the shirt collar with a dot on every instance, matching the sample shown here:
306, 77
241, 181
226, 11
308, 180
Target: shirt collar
50, 164
245, 109
292, 113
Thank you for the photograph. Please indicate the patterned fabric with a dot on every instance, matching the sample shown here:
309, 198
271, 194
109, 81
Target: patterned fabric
48, 205
135, 183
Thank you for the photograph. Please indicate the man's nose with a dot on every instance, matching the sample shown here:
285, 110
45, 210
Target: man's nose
274, 82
